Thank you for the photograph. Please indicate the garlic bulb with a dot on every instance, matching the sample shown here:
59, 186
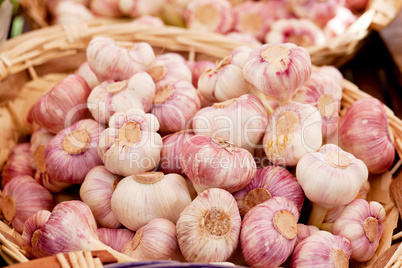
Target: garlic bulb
278, 70
294, 130
63, 105
175, 104
241, 121
52, 4
325, 94
111, 97
226, 80
130, 200
136, 8
110, 60
170, 153
31, 231
106, 8
155, 241
171, 57
85, 72
148, 21
243, 38
115, 238
304, 231
327, 175
18, 163
216, 163
73, 152
332, 72
268, 232
361, 223
213, 220
130, 145
320, 12
356, 6
197, 68
70, 12
269, 182
39, 140
338, 24
22, 197
322, 249
301, 32
96, 191
209, 15
373, 145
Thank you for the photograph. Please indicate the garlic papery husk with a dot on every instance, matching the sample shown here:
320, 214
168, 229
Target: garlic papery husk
85, 72
226, 80
96, 191
301, 32
241, 121
136, 8
18, 163
155, 241
148, 21
243, 38
73, 152
361, 223
67, 12
115, 238
294, 130
131, 199
118, 61
268, 232
175, 104
22, 197
170, 153
197, 68
213, 220
216, 163
110, 97
130, 145
328, 174
31, 230
106, 8
318, 11
338, 24
63, 105
209, 15
373, 145
332, 72
70, 227
325, 94
304, 231
269, 182
278, 70
322, 249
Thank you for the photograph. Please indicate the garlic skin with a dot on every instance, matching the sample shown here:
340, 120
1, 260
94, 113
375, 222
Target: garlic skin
130, 145
278, 70
155, 241
18, 163
39, 140
170, 153
243, 38
73, 152
175, 104
111, 60
332, 72
197, 68
241, 121
301, 32
148, 21
136, 8
130, 200
213, 220
70, 12
338, 24
22, 197
31, 231
268, 233
325, 94
105, 8
96, 191
304, 231
361, 223
85, 72
209, 15
111, 97
63, 105
294, 130
322, 249
320, 12
226, 80
115, 238
373, 145
269, 182
215, 163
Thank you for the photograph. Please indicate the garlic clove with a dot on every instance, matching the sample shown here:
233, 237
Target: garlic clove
115, 238
136, 8
105, 8
18, 164
213, 221
85, 72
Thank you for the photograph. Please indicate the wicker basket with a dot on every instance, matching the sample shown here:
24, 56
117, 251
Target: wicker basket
32, 63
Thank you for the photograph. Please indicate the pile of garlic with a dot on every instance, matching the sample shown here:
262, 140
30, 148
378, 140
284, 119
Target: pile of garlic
168, 161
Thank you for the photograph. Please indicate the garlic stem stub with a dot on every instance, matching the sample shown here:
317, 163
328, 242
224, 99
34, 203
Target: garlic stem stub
140, 198
373, 145
216, 163
269, 182
268, 232
208, 229
294, 130
73, 152
18, 163
361, 222
278, 70
115, 238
